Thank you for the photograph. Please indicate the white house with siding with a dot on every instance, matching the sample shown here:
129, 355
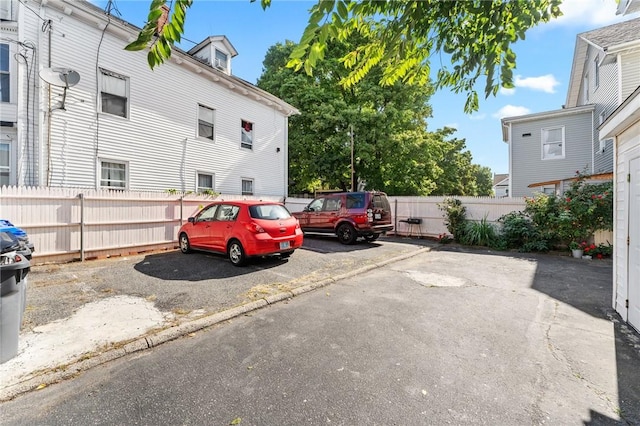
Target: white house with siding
547, 148
187, 125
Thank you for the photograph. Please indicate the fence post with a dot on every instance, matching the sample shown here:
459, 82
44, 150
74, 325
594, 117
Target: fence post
395, 217
81, 196
181, 213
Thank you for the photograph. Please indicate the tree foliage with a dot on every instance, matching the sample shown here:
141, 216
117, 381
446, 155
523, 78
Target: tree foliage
393, 151
401, 38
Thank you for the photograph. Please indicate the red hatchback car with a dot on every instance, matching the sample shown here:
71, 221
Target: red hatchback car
242, 229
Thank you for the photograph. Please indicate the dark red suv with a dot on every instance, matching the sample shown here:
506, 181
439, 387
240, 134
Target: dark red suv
349, 215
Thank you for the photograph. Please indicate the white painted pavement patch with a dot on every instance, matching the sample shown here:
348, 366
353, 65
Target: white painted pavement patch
91, 327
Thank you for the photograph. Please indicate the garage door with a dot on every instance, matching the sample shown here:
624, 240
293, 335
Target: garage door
634, 243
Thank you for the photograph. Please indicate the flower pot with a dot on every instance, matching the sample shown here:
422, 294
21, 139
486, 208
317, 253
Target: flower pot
577, 253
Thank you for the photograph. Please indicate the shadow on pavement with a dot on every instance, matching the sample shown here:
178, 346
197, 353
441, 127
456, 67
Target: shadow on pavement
588, 287
200, 266
324, 244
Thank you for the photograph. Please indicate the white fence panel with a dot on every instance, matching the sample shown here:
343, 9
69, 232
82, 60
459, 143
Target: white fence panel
69, 223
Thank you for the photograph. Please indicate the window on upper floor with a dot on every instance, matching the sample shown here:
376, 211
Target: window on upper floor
247, 186
6, 12
596, 72
585, 89
553, 143
5, 73
221, 60
114, 94
113, 174
206, 117
206, 182
246, 134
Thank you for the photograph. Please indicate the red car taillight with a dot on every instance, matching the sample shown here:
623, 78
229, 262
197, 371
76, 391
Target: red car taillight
254, 227
361, 218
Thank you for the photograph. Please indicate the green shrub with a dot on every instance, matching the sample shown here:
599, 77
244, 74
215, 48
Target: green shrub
520, 232
478, 233
455, 217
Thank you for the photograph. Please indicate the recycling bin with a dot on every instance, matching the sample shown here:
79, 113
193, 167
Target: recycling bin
13, 301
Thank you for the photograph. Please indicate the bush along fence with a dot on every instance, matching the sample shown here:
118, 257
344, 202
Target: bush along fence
581, 219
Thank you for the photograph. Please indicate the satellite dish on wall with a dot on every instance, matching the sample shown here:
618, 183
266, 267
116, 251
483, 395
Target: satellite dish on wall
60, 77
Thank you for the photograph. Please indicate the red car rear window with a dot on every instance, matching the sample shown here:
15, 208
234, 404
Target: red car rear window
269, 212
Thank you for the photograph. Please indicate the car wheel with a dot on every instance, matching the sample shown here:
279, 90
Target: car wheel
371, 237
185, 247
236, 253
346, 234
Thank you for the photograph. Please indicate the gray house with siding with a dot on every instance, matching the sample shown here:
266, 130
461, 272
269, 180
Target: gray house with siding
546, 149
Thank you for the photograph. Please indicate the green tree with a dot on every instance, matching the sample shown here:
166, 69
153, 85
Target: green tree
391, 150
484, 180
401, 38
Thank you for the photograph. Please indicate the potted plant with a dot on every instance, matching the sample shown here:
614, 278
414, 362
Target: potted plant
576, 249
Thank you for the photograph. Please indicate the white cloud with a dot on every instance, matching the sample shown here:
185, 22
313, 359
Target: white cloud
544, 83
590, 13
511, 111
478, 117
507, 92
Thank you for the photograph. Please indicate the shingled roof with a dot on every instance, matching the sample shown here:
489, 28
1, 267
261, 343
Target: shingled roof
613, 35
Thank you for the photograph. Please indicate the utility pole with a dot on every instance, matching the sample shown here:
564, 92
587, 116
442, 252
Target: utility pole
353, 171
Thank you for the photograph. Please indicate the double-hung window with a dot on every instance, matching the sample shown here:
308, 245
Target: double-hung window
247, 186
113, 174
596, 72
221, 60
246, 134
553, 143
205, 122
5, 73
5, 163
205, 182
114, 94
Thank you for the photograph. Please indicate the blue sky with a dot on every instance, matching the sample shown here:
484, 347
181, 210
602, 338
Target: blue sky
541, 77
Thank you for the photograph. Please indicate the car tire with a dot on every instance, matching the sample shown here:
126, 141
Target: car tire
346, 234
236, 253
372, 237
185, 246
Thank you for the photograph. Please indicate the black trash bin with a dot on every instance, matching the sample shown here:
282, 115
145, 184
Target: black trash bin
14, 268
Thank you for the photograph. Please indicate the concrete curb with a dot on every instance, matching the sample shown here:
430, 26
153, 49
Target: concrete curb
119, 350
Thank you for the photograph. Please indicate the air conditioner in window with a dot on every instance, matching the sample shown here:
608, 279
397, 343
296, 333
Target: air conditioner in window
218, 64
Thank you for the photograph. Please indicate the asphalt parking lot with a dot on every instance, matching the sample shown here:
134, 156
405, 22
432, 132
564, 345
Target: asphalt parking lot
197, 283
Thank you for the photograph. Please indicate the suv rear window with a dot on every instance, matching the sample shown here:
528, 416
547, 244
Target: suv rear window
269, 212
355, 201
381, 202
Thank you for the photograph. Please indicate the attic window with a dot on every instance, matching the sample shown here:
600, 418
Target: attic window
220, 60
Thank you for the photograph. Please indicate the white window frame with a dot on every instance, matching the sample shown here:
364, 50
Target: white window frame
585, 88
101, 163
246, 137
199, 188
6, 10
13, 76
220, 62
213, 123
11, 167
546, 131
105, 74
242, 188
596, 72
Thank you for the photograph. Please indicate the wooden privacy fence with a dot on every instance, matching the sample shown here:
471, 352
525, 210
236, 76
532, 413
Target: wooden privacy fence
76, 224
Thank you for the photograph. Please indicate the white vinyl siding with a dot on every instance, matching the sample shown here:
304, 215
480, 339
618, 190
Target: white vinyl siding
553, 145
630, 73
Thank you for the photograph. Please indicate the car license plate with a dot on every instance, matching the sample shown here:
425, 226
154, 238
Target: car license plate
377, 216
285, 245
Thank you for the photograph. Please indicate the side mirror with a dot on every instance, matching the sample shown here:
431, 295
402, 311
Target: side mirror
306, 209
191, 220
